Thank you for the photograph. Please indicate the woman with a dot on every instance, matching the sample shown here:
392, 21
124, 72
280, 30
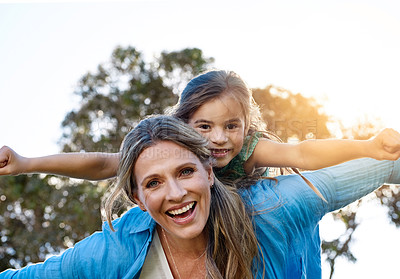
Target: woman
197, 227
165, 170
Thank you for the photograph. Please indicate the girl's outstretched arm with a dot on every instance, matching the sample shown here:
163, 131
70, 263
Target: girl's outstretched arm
92, 166
316, 154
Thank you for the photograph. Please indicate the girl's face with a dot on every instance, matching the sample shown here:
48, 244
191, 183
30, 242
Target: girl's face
174, 187
222, 122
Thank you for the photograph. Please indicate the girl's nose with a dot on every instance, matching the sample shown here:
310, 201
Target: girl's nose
218, 136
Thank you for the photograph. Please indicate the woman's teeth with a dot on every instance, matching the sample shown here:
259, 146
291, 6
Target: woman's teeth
181, 210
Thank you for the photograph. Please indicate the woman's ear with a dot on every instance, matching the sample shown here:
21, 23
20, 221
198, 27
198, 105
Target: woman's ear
139, 203
210, 174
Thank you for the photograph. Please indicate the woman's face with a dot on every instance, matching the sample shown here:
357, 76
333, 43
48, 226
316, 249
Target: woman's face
174, 187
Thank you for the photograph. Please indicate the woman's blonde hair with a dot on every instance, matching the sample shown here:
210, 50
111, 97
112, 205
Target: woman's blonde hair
232, 244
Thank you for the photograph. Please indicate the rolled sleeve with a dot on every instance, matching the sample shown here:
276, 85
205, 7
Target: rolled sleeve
350, 181
50, 269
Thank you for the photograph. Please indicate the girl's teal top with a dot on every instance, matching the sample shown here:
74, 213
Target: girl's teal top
234, 169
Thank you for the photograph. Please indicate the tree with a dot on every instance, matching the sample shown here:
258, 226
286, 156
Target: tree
291, 116
42, 215
124, 91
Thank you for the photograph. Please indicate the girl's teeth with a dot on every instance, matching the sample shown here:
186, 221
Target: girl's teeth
220, 151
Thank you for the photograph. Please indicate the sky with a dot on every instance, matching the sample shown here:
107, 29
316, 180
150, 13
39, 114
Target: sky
343, 53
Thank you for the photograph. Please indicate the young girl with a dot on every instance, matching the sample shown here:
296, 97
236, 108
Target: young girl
220, 106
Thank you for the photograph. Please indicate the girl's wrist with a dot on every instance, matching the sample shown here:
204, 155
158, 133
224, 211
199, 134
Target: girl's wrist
25, 165
368, 149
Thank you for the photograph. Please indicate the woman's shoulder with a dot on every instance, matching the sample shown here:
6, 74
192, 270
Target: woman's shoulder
133, 220
287, 194
120, 248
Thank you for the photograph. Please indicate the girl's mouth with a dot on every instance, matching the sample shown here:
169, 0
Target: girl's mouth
182, 213
219, 153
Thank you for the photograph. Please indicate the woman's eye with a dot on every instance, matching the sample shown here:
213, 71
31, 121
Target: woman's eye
152, 184
187, 171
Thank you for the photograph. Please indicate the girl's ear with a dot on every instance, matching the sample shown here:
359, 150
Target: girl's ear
139, 203
247, 128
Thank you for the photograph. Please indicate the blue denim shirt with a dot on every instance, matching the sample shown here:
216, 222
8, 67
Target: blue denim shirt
104, 254
286, 224
288, 213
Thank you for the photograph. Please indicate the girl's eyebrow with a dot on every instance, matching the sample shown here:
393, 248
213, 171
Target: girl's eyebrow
202, 121
234, 120
210, 122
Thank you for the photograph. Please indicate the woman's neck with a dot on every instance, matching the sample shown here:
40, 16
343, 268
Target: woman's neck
189, 248
186, 258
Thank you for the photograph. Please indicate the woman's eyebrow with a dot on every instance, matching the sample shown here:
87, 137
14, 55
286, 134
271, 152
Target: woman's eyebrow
177, 168
146, 178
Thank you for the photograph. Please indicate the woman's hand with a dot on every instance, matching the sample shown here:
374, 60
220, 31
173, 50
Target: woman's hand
10, 162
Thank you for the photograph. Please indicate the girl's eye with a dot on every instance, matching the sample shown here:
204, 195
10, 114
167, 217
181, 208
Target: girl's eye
204, 127
231, 126
187, 171
152, 184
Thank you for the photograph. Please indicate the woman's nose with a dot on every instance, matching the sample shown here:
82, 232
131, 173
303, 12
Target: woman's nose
218, 136
176, 191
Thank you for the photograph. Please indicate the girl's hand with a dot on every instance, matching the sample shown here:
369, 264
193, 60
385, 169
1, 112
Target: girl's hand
10, 162
386, 145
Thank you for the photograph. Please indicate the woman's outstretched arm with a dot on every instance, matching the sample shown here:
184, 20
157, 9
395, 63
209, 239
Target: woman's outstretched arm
350, 181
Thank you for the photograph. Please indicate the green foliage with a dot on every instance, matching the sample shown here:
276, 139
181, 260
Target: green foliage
44, 215
123, 91
291, 116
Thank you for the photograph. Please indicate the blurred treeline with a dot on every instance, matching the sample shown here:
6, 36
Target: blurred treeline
44, 214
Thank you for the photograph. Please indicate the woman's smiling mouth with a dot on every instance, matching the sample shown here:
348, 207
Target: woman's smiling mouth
183, 214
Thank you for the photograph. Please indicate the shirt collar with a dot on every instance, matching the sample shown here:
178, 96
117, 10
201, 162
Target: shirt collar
142, 221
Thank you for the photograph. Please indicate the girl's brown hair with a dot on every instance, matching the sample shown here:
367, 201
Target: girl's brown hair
212, 84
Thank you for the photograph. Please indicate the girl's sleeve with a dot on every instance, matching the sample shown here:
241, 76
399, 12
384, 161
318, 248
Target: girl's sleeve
345, 183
